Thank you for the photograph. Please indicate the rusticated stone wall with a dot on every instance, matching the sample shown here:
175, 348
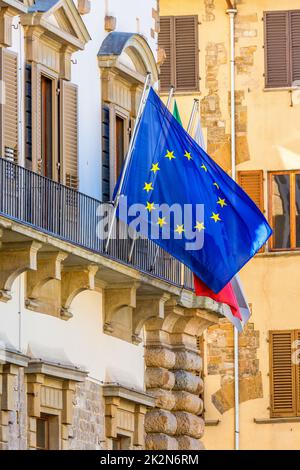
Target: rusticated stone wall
173, 364
87, 431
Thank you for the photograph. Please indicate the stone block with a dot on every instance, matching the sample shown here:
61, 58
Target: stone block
161, 442
188, 360
189, 443
160, 421
159, 357
189, 382
157, 377
185, 401
189, 425
163, 398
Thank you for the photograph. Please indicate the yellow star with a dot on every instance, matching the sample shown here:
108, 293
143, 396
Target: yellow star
170, 155
155, 167
148, 187
222, 202
150, 206
200, 226
188, 156
204, 167
216, 217
216, 185
180, 229
161, 222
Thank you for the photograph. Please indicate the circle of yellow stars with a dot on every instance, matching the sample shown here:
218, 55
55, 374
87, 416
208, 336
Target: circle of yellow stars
150, 206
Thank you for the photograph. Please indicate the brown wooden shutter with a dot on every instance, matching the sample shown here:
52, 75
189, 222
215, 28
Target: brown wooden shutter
186, 53
252, 183
295, 44
166, 42
69, 133
9, 109
282, 374
36, 114
277, 49
297, 358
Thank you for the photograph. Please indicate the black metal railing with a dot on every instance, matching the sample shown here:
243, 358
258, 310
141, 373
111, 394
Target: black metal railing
60, 211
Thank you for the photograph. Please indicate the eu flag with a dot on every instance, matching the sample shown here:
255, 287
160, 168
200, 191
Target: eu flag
180, 198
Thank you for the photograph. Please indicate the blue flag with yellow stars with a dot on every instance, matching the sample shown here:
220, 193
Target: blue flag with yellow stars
176, 195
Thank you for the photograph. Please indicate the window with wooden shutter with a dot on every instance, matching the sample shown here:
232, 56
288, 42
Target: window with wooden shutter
179, 38
296, 357
252, 182
10, 106
69, 133
282, 48
186, 53
105, 155
283, 371
295, 44
165, 41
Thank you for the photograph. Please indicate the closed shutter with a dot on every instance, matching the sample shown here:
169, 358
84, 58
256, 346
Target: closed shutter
105, 155
9, 109
36, 117
295, 44
252, 184
165, 41
282, 374
297, 360
69, 133
186, 55
28, 116
277, 49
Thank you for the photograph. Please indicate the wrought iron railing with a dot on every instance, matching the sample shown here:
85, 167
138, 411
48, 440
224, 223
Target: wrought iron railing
57, 210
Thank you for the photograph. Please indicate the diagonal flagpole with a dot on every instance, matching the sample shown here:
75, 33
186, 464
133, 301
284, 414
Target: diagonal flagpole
128, 158
189, 128
169, 101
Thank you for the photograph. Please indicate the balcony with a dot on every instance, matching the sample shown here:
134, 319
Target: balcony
56, 210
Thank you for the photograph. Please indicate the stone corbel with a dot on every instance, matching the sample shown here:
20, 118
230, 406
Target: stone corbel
147, 306
68, 396
9, 373
48, 268
119, 302
6, 18
34, 385
139, 429
15, 258
65, 62
111, 415
75, 279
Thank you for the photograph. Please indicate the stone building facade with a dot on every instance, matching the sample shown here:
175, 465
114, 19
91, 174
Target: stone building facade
79, 323
267, 155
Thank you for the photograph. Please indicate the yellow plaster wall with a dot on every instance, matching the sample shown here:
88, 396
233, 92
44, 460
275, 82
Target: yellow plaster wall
272, 282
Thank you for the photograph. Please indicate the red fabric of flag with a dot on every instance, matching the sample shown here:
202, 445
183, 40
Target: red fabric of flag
226, 296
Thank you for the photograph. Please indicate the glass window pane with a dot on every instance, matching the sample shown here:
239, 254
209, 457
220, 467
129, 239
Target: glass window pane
298, 211
281, 211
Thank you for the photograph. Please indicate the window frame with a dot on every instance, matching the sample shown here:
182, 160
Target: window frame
289, 50
292, 174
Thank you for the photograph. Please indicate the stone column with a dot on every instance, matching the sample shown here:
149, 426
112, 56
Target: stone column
173, 366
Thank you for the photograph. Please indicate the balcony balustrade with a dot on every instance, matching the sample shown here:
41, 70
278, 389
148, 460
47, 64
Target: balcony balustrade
52, 208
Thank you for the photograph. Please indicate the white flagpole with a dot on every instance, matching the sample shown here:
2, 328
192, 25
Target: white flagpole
189, 129
128, 157
168, 105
